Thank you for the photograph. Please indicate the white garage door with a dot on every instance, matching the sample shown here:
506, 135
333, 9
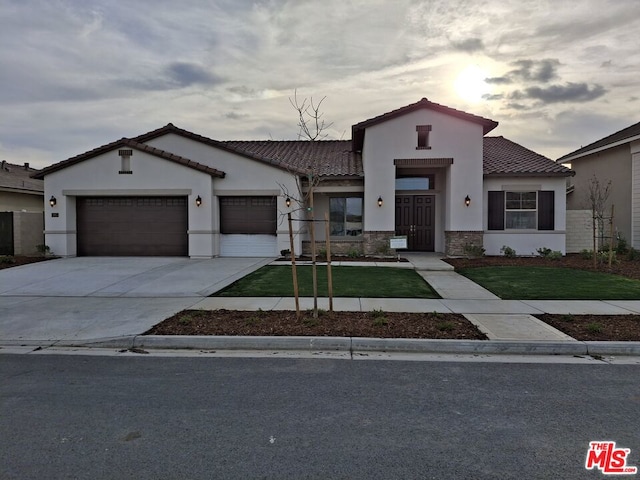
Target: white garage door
248, 226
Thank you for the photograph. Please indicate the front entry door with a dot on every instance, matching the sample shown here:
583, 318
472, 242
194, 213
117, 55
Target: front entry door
415, 218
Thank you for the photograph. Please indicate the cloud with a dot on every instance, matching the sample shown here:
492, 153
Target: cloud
571, 92
235, 115
497, 96
469, 45
186, 74
498, 80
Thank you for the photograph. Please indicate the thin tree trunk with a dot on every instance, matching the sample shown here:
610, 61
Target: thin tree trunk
611, 238
595, 250
327, 232
293, 268
314, 271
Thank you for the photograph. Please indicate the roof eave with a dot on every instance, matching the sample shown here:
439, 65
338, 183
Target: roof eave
570, 173
573, 156
24, 191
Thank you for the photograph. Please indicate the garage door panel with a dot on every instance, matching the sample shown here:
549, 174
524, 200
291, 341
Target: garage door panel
248, 226
248, 245
132, 226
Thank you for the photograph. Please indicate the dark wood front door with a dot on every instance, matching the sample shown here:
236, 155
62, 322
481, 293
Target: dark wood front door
415, 218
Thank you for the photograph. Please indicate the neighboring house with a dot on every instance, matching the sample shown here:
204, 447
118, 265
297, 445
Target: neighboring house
21, 207
614, 158
425, 170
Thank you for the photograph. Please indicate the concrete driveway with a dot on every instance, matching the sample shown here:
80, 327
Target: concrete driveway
106, 297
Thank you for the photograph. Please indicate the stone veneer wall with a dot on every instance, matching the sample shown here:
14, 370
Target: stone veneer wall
377, 243
455, 241
370, 244
338, 247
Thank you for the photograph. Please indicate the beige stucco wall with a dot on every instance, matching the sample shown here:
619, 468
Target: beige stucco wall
526, 242
635, 195
156, 176
613, 164
450, 137
17, 202
244, 176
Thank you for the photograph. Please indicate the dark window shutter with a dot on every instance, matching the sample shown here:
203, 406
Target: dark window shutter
496, 210
546, 210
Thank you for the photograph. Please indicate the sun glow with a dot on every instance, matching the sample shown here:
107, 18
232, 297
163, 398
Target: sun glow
470, 84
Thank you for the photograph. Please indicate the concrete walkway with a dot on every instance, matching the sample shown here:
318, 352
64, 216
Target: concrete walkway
508, 320
92, 301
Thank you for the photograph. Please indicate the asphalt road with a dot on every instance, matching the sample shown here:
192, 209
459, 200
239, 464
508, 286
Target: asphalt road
171, 418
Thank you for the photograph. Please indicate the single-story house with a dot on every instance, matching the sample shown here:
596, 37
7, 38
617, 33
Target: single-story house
425, 171
615, 158
21, 209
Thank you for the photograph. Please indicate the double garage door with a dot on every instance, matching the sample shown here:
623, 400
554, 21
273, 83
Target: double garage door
157, 226
132, 226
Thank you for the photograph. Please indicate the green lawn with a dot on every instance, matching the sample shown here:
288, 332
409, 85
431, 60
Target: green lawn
372, 282
549, 283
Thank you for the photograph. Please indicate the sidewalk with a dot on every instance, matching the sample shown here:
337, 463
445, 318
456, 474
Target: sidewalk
508, 324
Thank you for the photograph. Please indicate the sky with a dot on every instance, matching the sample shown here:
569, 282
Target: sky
77, 74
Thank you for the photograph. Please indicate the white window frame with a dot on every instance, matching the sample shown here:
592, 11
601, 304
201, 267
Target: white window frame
508, 210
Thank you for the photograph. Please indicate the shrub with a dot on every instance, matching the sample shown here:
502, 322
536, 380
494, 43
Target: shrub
445, 326
586, 254
473, 251
322, 253
353, 253
285, 253
7, 259
622, 247
508, 251
550, 254
603, 257
43, 249
383, 249
633, 254
594, 327
555, 255
544, 251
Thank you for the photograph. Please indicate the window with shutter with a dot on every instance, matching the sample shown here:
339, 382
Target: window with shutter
496, 210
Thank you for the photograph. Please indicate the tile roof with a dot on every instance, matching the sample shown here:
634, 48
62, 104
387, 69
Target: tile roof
126, 142
326, 157
357, 130
18, 178
625, 134
502, 157
329, 157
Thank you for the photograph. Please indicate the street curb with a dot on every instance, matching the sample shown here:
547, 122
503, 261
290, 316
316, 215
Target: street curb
242, 343
345, 344
363, 344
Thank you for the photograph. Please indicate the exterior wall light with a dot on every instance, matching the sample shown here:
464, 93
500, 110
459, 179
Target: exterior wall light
380, 202
288, 202
53, 201
198, 201
467, 201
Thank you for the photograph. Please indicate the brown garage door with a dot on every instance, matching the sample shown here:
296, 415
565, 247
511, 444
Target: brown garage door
132, 226
250, 215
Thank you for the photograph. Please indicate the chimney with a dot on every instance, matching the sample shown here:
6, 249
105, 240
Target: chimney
26, 166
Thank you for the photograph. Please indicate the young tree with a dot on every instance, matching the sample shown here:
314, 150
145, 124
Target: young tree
312, 128
598, 194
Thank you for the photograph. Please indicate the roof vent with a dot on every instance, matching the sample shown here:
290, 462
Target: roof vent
125, 153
